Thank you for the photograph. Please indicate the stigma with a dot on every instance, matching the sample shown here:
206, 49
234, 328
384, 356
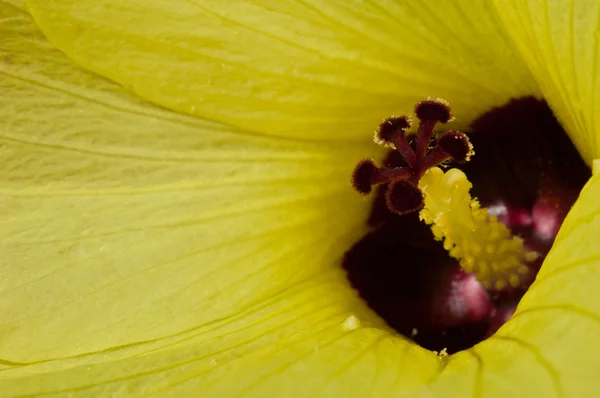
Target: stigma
483, 246
403, 195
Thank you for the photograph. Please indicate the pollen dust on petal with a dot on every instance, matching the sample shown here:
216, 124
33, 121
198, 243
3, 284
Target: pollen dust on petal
351, 323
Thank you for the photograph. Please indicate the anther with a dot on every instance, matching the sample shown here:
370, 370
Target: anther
392, 133
450, 145
366, 174
436, 110
457, 145
403, 194
430, 112
390, 126
403, 197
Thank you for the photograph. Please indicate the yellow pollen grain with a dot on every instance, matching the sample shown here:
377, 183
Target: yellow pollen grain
351, 323
470, 152
482, 244
381, 142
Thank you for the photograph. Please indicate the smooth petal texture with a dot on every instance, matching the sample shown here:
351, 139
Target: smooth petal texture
560, 41
311, 69
146, 252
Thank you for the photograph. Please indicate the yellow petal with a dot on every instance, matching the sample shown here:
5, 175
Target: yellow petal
317, 69
104, 197
119, 275
146, 252
559, 41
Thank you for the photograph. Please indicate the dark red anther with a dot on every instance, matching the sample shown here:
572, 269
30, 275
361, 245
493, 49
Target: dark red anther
429, 112
392, 132
403, 194
437, 110
456, 144
366, 174
403, 197
451, 145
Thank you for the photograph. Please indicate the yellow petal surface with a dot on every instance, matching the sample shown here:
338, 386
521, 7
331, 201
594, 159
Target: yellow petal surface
146, 252
149, 253
319, 69
560, 42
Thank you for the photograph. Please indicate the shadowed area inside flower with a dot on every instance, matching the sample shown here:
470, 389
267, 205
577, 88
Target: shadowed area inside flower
145, 252
525, 172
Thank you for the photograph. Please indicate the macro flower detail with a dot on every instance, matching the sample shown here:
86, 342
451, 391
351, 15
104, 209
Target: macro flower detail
176, 211
403, 194
470, 234
465, 287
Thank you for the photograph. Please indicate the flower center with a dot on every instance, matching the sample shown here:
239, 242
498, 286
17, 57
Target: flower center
403, 196
453, 285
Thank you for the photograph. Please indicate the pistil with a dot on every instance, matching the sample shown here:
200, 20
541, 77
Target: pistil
483, 245
403, 194
527, 174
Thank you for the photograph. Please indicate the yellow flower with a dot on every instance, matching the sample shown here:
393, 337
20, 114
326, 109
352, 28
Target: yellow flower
192, 248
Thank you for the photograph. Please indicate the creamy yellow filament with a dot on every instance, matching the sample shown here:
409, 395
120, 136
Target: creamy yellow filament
482, 244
